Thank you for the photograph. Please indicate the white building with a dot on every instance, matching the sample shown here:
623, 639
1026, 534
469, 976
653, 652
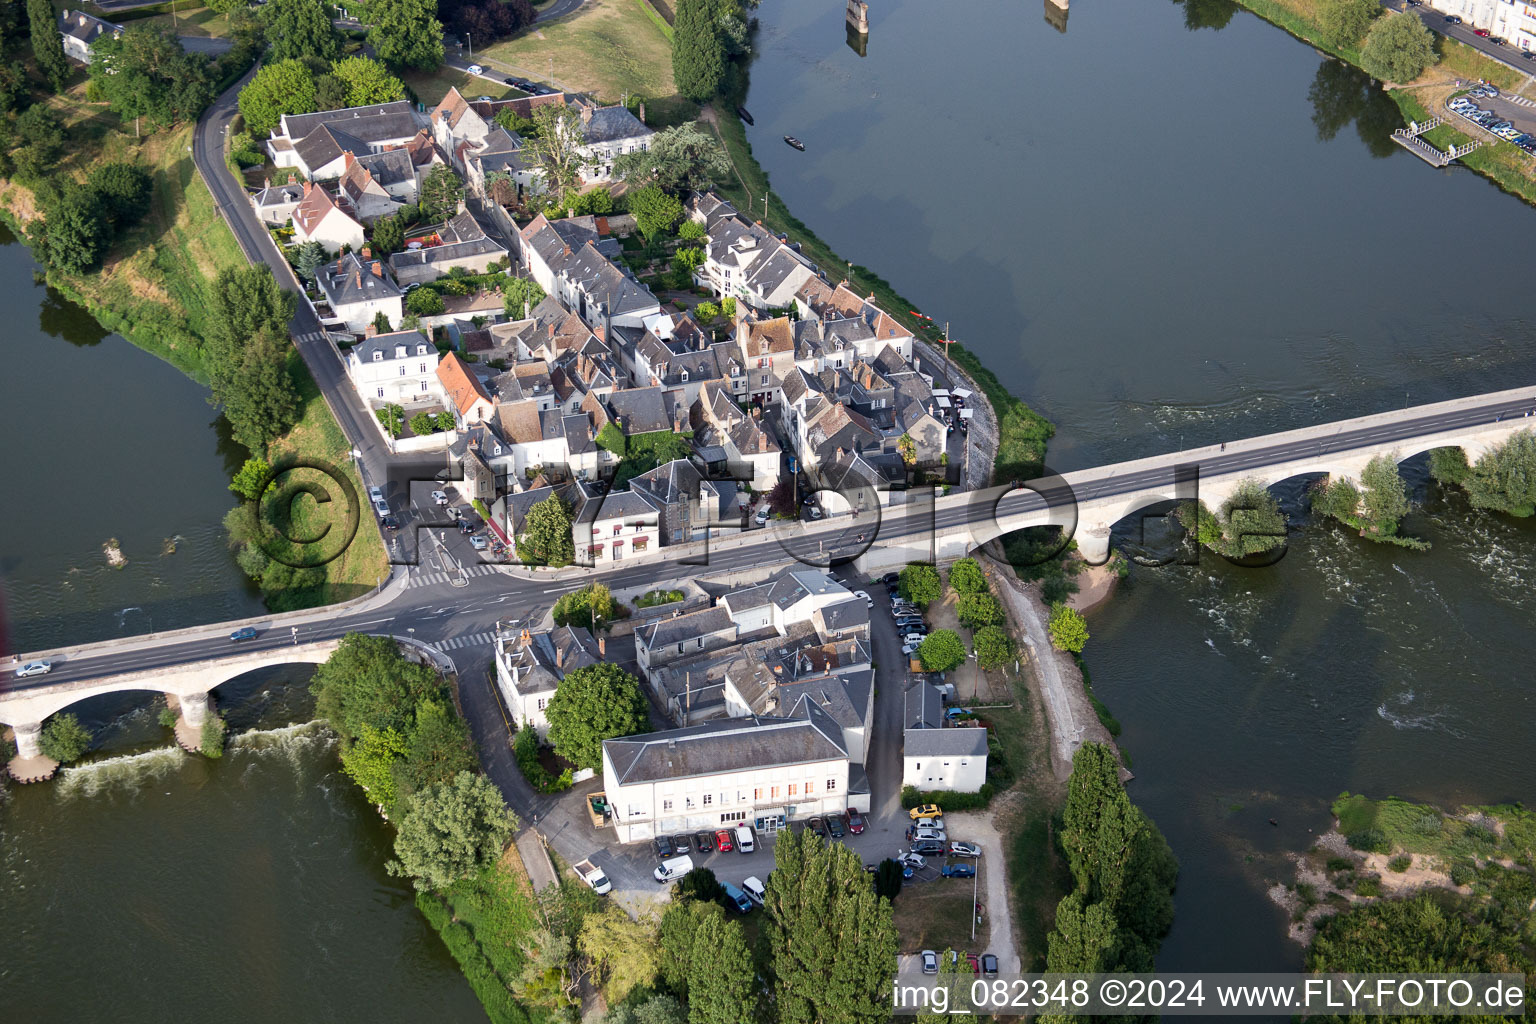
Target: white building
399, 367
613, 526
606, 134
1511, 20
760, 771
937, 757
358, 289
320, 218
79, 32
530, 666
317, 144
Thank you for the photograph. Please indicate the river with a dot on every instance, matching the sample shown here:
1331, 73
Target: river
149, 885
1160, 237
1143, 229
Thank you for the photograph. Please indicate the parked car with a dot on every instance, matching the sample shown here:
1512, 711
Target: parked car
818, 826
988, 963
1528, 55
703, 842
1451, 19
673, 868
762, 516
868, 601
390, 523
753, 887
930, 961
478, 542
680, 843
736, 897
723, 840
511, 81
1481, 32
910, 649
440, 497
924, 834
381, 508
926, 811
835, 826
954, 713
890, 579
959, 849
40, 667
744, 843
375, 494
855, 822
911, 860
928, 847
961, 870
475, 69
243, 633
661, 846
928, 823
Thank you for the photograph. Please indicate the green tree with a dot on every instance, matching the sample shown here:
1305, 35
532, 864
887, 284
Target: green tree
888, 879
1398, 49
1068, 629
674, 939
444, 421
125, 191
42, 138
210, 737
425, 302
907, 448
522, 294
546, 536
423, 423
381, 323
388, 236
368, 683
259, 398
698, 58
1449, 465
330, 92
680, 159
691, 231
720, 974
308, 259
298, 29
655, 212
64, 739
941, 651
1082, 940
1249, 522
921, 584
966, 577
1345, 21
47, 44
830, 939
281, 87
1099, 825
688, 259
612, 438
588, 607
440, 193
1385, 497
622, 951
451, 830
76, 230
658, 1009
515, 123
699, 885
253, 477
994, 647
438, 748
367, 82
728, 308
393, 419
146, 73
706, 311
555, 146
977, 610
594, 703
1504, 479
1337, 498
406, 33
371, 761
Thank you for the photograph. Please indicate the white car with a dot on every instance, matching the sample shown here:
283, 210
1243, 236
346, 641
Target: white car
762, 516
440, 497
381, 507
930, 961
937, 823
911, 860
475, 69
478, 542
375, 494
912, 638
958, 849
868, 601
41, 667
910, 649
936, 834
815, 512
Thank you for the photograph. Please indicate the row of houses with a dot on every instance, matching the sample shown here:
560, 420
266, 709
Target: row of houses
771, 687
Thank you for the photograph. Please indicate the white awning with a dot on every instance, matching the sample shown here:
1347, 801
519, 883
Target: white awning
966, 414
963, 392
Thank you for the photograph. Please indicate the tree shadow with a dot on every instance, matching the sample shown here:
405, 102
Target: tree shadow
1211, 14
1341, 94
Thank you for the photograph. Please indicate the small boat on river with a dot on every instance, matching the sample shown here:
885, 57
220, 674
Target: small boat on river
742, 113
795, 142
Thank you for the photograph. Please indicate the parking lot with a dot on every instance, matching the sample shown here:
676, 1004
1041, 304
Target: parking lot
1486, 108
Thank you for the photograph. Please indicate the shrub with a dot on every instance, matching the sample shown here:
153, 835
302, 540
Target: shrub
920, 584
1371, 840
1367, 887
948, 800
966, 577
64, 739
1463, 873
1427, 825
525, 748
212, 737
941, 651
1402, 862
1307, 893
1068, 629
168, 716
1340, 864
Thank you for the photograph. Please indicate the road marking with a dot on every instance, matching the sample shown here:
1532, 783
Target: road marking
470, 640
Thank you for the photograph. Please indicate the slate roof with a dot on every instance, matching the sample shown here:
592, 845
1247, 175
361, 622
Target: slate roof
462, 236
296, 126
674, 629
639, 410
84, 27
278, 195
353, 279
924, 707
388, 343
970, 742
614, 505
842, 617
611, 124
729, 745
390, 167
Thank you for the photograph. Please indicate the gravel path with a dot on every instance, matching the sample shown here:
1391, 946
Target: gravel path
978, 828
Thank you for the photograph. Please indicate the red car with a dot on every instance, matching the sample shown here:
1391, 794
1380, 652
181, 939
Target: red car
1481, 32
723, 840
855, 822
974, 961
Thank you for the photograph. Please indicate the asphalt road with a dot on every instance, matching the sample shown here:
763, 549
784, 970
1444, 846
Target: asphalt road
229, 195
1464, 33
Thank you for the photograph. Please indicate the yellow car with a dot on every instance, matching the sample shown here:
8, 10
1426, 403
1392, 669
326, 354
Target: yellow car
925, 811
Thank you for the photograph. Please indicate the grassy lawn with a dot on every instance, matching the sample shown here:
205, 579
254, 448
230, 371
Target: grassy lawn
607, 48
1487, 833
192, 20
431, 86
154, 290
1465, 62
937, 915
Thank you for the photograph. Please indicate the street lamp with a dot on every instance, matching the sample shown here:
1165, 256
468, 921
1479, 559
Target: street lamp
469, 44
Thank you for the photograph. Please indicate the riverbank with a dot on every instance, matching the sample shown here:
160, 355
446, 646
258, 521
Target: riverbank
154, 288
1501, 162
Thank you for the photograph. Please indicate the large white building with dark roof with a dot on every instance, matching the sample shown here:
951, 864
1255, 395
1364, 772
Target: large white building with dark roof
316, 144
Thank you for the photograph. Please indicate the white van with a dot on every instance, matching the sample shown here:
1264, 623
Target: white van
744, 839
673, 868
754, 890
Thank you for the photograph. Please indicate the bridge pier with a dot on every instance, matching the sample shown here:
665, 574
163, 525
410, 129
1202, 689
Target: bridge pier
1093, 544
194, 709
29, 764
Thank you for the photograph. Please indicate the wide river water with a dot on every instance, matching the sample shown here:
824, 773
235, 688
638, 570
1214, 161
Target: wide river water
1156, 236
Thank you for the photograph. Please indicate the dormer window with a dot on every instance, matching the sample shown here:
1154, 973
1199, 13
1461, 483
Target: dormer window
684, 375
399, 351
421, 350
378, 356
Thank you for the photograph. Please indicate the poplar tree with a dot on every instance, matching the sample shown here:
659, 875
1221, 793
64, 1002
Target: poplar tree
720, 973
47, 43
698, 58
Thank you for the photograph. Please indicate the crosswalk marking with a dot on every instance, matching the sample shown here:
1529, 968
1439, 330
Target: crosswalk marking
433, 578
471, 640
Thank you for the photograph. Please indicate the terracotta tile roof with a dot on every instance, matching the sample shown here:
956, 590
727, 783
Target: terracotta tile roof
778, 332
312, 209
520, 422
462, 387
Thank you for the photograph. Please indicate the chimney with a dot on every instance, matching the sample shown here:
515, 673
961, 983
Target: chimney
367, 253
307, 186
602, 648
601, 331
266, 182
370, 331
586, 114
347, 160
560, 658
359, 280
378, 268
642, 111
